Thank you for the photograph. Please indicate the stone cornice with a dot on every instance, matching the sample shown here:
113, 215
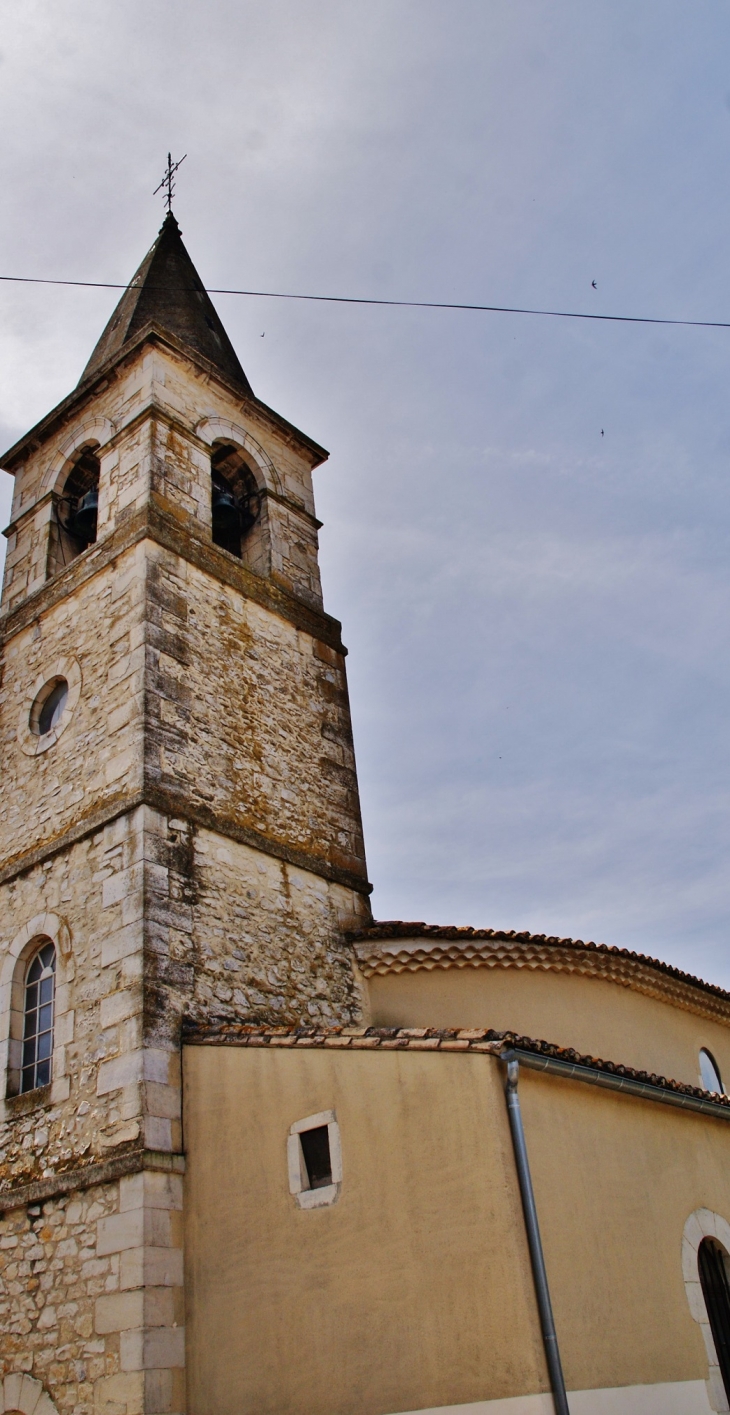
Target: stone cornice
85, 1176
157, 523
172, 803
491, 949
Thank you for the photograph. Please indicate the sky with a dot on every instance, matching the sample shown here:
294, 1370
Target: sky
525, 519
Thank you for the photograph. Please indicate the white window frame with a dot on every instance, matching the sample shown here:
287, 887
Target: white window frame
305, 1197
13, 968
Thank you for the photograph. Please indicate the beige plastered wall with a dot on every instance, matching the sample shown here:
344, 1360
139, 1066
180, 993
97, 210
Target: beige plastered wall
395, 1297
413, 1291
596, 1017
615, 1181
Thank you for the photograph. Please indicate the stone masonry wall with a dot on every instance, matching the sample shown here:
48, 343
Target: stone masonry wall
99, 755
249, 716
97, 887
91, 1296
269, 939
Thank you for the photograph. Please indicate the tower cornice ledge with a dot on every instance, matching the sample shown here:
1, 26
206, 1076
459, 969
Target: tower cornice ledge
172, 803
85, 1176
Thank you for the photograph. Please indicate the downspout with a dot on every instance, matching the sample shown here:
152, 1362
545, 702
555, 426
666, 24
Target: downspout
542, 1291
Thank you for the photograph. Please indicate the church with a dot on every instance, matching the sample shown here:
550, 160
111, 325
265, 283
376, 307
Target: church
259, 1153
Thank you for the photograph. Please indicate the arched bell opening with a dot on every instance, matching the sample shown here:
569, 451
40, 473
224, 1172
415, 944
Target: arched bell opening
75, 510
236, 504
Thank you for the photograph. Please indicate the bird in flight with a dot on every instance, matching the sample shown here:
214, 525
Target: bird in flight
593, 283
602, 433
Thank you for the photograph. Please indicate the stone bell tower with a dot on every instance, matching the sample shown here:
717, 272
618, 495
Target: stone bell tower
180, 830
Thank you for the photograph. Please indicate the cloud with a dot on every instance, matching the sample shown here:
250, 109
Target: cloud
537, 614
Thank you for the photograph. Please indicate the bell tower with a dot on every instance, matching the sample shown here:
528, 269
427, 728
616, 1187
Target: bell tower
180, 830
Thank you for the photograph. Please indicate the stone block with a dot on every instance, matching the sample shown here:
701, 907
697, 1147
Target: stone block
159, 1267
120, 1231
163, 1190
159, 1306
157, 1064
158, 1392
121, 884
122, 942
165, 1101
131, 1350
45, 1405
118, 1311
157, 1133
118, 1006
164, 1347
31, 1394
120, 1394
119, 1071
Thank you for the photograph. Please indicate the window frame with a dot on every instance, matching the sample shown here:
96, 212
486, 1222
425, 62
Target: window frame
705, 1051
299, 1186
34, 934
31, 743
42, 1026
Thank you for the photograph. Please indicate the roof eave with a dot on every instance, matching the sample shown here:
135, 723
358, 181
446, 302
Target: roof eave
402, 931
150, 333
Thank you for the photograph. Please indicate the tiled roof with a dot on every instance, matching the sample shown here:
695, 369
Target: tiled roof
221, 1032
444, 944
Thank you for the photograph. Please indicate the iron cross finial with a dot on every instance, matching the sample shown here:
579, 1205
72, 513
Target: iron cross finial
168, 181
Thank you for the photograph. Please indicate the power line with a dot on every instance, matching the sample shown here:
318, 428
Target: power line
394, 304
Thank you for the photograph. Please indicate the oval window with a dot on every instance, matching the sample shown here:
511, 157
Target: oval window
48, 707
710, 1072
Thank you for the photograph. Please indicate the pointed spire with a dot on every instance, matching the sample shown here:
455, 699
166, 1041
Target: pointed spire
168, 291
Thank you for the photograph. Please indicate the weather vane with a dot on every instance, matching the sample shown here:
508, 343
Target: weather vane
168, 181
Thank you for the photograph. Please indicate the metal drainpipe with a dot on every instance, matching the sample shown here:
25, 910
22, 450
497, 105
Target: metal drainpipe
542, 1291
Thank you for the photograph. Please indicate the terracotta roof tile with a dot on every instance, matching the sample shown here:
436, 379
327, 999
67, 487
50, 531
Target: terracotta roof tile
384, 930
223, 1032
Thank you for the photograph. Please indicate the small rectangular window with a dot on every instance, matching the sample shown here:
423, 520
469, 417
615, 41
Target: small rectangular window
316, 1150
314, 1160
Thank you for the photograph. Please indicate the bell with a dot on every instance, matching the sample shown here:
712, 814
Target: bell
226, 515
84, 522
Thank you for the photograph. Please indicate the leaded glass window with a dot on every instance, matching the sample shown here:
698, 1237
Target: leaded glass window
40, 984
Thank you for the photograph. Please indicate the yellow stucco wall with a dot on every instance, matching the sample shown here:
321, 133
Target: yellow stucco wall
398, 1296
615, 1180
413, 1290
595, 1016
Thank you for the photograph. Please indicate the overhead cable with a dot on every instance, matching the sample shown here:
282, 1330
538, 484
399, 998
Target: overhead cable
394, 304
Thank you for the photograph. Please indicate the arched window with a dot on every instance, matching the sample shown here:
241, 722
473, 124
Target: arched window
710, 1072
76, 511
235, 499
40, 984
711, 1261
